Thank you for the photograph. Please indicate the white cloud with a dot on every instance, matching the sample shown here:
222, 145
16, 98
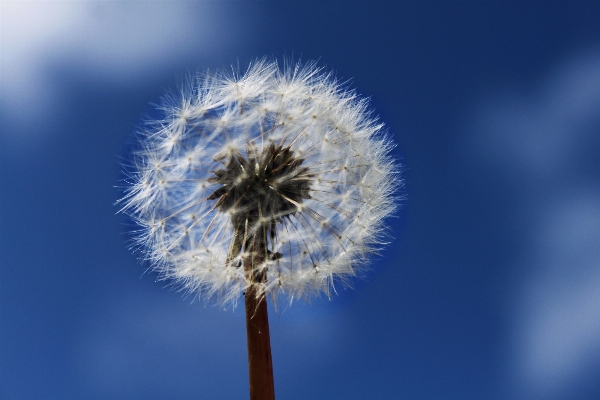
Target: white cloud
540, 140
558, 326
117, 43
538, 134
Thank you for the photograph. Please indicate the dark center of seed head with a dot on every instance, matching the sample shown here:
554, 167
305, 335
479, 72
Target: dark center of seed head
269, 185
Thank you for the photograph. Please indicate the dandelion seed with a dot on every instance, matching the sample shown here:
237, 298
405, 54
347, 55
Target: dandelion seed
271, 182
287, 158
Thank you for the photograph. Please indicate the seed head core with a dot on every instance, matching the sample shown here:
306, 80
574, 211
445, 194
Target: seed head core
261, 187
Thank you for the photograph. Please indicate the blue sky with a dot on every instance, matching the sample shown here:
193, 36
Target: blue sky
490, 289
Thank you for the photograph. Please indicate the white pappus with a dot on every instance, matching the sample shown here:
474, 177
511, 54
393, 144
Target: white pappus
276, 178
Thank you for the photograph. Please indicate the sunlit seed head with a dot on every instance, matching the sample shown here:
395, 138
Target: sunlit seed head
284, 167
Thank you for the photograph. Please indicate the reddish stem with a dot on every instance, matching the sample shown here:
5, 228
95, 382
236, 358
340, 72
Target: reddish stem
260, 365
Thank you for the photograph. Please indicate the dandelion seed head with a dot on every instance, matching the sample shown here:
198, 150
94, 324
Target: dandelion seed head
282, 167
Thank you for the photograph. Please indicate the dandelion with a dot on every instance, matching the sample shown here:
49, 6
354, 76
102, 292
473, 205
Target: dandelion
270, 182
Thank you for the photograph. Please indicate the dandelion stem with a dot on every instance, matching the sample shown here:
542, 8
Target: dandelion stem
260, 365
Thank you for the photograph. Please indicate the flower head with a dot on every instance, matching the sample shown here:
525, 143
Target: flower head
275, 179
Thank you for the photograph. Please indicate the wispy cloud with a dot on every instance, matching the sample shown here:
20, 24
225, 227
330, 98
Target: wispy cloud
114, 43
543, 141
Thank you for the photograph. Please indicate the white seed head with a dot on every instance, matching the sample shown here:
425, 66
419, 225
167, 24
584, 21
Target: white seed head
285, 168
